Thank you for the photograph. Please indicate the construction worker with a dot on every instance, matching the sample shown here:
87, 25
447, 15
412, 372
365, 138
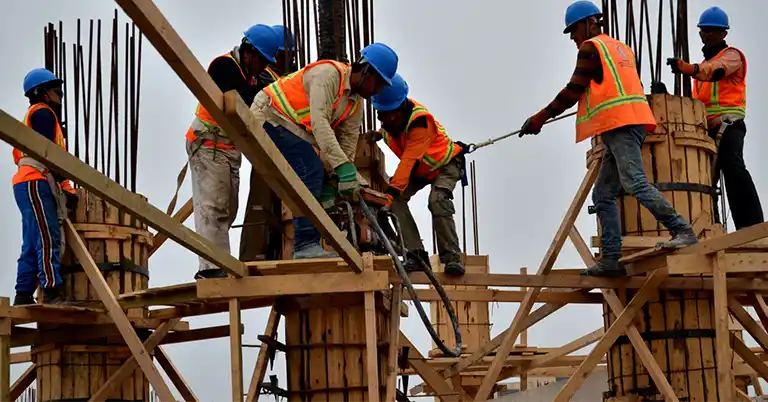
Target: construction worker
428, 157
320, 105
720, 81
612, 104
214, 161
285, 53
42, 196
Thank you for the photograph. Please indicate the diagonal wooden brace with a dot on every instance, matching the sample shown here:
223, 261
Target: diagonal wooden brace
174, 375
264, 352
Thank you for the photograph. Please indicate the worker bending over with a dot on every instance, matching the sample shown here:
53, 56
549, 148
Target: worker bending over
427, 157
720, 81
612, 104
320, 104
285, 57
214, 161
42, 196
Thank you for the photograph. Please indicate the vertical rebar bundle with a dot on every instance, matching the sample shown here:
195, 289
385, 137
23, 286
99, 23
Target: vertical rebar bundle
86, 136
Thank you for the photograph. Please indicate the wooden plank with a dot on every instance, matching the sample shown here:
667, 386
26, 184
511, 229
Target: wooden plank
613, 332
5, 353
742, 262
427, 373
346, 282
239, 123
180, 216
261, 362
394, 337
730, 240
761, 308
722, 335
55, 157
745, 319
546, 265
506, 296
235, 350
749, 357
22, 383
371, 341
174, 375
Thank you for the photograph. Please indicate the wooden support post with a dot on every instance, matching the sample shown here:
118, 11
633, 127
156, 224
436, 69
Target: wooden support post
5, 352
530, 298
722, 335
174, 375
180, 216
23, 382
261, 362
616, 329
524, 341
371, 344
236, 350
115, 312
394, 328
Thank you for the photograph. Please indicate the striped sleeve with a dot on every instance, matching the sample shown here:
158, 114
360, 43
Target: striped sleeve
588, 67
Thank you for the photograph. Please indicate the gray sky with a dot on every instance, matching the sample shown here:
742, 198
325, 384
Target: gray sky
481, 70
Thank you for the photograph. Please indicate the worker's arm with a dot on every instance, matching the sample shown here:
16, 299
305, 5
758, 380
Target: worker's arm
715, 70
227, 76
348, 134
587, 68
322, 85
419, 138
44, 122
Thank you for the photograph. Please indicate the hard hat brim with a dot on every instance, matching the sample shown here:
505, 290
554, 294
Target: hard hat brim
713, 26
381, 75
570, 26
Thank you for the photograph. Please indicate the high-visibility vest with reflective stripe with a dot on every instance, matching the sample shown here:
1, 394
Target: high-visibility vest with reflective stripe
28, 173
727, 96
290, 99
440, 151
619, 100
275, 76
206, 118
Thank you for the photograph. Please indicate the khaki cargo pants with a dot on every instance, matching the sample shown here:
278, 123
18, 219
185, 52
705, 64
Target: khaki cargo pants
440, 204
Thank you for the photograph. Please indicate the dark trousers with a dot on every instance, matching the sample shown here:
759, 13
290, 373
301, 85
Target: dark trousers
739, 187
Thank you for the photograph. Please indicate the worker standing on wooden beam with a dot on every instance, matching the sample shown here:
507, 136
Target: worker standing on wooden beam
214, 161
720, 81
320, 105
428, 157
612, 104
42, 196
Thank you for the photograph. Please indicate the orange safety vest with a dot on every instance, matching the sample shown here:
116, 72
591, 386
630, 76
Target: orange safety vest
275, 76
727, 96
206, 117
289, 98
27, 173
619, 100
440, 151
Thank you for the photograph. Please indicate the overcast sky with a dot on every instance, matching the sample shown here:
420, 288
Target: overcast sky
481, 70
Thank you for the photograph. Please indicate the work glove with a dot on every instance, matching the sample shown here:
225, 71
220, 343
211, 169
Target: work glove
681, 67
348, 184
72, 200
372, 137
533, 124
391, 193
328, 197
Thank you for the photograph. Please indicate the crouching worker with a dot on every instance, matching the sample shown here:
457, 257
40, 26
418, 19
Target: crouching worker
320, 105
41, 195
427, 157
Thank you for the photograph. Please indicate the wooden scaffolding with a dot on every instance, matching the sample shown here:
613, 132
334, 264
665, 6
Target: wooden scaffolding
355, 302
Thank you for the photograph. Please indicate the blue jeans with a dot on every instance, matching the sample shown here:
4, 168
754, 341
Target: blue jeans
622, 166
308, 166
39, 259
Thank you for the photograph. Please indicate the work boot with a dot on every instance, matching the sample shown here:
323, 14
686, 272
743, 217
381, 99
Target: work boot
53, 296
681, 239
454, 268
413, 261
23, 299
610, 267
210, 274
314, 251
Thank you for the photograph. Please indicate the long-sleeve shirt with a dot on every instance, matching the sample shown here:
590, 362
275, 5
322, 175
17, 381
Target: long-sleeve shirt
730, 62
420, 135
321, 84
588, 68
44, 122
227, 75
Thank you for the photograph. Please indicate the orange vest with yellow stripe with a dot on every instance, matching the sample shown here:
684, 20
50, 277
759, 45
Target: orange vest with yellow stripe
617, 101
290, 99
28, 173
727, 96
441, 150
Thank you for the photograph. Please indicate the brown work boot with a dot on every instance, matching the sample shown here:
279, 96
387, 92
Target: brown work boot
606, 267
413, 261
53, 296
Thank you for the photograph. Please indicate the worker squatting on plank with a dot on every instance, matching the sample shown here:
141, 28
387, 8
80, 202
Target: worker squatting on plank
428, 157
720, 82
43, 196
615, 108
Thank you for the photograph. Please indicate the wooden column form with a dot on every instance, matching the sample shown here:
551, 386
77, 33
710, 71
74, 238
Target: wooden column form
5, 352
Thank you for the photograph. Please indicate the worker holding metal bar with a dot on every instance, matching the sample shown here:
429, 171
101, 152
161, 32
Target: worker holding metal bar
320, 105
43, 196
720, 81
611, 104
214, 161
428, 157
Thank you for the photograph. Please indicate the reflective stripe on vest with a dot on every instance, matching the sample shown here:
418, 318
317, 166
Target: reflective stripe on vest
440, 151
619, 100
290, 99
272, 73
17, 154
727, 96
30, 168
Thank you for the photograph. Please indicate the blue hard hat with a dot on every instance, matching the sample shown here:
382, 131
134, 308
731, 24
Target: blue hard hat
391, 97
281, 30
264, 39
714, 17
578, 11
382, 58
37, 77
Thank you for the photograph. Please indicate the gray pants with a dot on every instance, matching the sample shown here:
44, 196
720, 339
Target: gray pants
215, 186
440, 204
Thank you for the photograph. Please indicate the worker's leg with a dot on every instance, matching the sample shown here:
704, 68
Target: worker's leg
442, 208
212, 192
410, 231
625, 144
742, 195
309, 167
26, 271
